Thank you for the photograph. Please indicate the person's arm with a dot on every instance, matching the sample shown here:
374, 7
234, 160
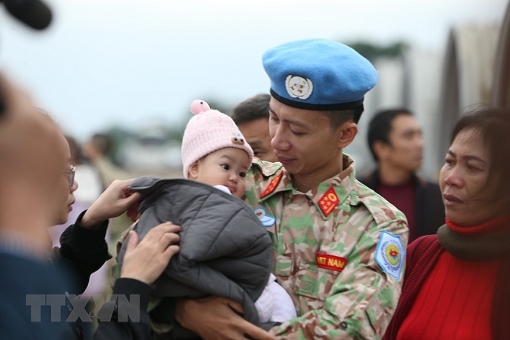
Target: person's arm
83, 251
362, 299
125, 315
217, 318
83, 246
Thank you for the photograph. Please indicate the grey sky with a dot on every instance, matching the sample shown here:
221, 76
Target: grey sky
133, 61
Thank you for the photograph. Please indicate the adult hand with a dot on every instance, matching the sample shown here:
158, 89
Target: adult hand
214, 318
146, 260
114, 201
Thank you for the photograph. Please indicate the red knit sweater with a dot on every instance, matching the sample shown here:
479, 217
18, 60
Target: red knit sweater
427, 265
452, 300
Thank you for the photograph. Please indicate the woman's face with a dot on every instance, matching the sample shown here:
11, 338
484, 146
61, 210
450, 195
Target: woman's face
464, 181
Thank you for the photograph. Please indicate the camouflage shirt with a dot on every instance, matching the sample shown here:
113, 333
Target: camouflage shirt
339, 251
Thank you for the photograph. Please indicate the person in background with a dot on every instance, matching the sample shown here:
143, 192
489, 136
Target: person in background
89, 190
396, 143
38, 183
456, 282
338, 247
91, 184
98, 150
252, 118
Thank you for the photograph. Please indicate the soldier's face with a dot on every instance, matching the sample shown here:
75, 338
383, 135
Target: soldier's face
303, 140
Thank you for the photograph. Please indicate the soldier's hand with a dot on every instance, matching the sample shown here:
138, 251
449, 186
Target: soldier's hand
214, 318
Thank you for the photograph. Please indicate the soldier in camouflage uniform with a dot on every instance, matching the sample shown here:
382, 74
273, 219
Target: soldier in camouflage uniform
339, 248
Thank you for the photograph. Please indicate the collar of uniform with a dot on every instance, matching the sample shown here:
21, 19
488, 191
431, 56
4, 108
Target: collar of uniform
340, 185
276, 178
278, 182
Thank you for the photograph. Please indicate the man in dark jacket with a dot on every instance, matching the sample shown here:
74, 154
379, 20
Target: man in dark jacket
38, 287
396, 143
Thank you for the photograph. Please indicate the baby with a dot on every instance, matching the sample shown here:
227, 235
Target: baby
215, 152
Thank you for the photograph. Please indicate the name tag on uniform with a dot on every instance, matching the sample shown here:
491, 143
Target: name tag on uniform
330, 262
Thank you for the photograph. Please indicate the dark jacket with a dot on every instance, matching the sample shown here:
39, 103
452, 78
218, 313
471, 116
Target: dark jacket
82, 252
224, 249
429, 210
25, 313
29, 287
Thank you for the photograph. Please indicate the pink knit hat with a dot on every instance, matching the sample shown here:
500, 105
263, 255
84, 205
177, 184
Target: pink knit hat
207, 131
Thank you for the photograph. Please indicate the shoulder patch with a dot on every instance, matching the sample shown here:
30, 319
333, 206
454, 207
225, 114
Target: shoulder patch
390, 254
266, 219
272, 185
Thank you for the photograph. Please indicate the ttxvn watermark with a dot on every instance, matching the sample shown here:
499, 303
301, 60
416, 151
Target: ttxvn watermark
71, 308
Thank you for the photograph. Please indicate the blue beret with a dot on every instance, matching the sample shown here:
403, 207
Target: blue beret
318, 74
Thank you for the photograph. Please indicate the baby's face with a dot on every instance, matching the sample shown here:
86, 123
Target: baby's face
227, 167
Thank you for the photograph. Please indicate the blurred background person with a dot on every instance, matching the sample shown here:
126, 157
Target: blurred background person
38, 183
252, 118
91, 185
38, 285
396, 143
98, 149
456, 282
37, 192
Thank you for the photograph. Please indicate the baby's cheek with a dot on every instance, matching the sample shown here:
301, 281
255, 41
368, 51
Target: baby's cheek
240, 189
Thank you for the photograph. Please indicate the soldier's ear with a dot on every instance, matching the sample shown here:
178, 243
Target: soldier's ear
193, 170
346, 133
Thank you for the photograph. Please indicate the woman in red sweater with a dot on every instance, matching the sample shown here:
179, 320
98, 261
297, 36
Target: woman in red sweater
457, 282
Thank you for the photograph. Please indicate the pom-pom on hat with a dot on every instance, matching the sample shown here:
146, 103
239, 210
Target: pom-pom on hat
207, 131
318, 74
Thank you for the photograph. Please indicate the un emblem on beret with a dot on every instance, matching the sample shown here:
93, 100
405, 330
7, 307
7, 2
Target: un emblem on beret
298, 87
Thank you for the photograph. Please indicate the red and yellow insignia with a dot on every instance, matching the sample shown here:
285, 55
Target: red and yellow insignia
328, 201
392, 254
272, 185
331, 262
